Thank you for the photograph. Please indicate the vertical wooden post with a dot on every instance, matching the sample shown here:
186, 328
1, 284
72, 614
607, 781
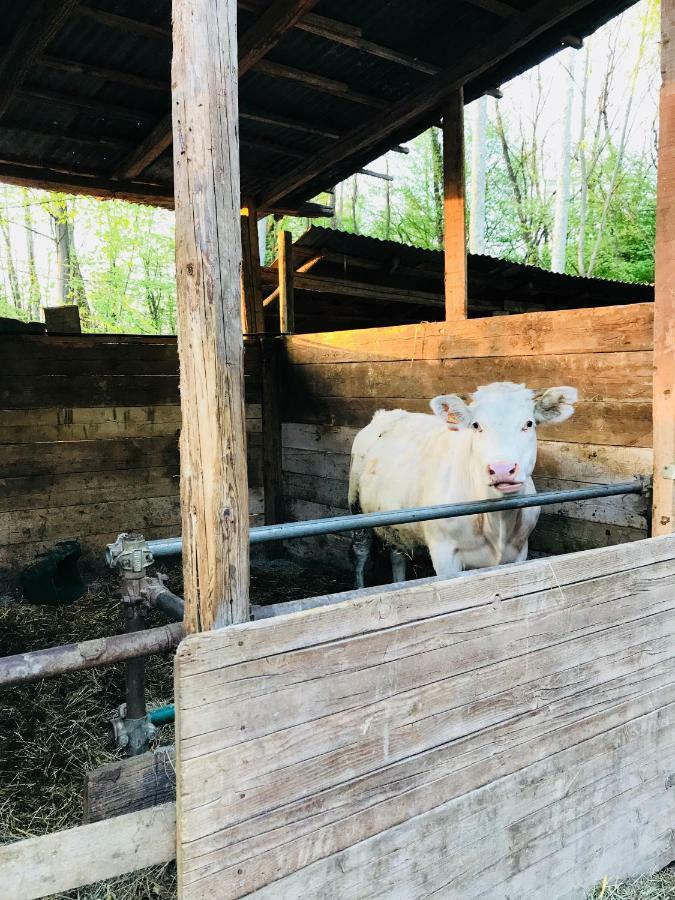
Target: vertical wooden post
286, 298
252, 314
454, 235
214, 489
271, 432
664, 294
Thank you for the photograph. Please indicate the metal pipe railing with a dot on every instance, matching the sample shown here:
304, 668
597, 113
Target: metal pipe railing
106, 651
335, 524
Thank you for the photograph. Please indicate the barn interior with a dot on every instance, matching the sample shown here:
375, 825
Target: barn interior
85, 107
89, 424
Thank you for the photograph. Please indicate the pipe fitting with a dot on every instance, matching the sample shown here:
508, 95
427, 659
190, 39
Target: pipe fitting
130, 555
132, 735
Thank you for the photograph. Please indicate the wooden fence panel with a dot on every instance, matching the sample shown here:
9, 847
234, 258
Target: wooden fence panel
480, 736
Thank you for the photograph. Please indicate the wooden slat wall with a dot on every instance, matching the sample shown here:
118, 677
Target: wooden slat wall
89, 441
335, 381
476, 737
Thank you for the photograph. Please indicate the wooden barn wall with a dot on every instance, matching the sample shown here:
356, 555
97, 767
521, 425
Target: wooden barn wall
89, 430
478, 737
334, 382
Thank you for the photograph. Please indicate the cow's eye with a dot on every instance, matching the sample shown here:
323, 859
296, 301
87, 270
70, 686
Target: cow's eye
476, 426
528, 424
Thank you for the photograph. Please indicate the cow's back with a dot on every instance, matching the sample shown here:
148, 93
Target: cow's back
387, 460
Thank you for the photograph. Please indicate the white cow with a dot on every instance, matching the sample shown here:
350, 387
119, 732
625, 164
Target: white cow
477, 450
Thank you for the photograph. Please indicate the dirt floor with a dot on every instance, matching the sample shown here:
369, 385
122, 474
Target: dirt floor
52, 733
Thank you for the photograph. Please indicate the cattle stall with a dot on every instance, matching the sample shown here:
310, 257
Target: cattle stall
481, 735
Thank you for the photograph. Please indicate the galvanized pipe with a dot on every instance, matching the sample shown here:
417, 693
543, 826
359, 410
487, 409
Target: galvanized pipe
106, 651
335, 524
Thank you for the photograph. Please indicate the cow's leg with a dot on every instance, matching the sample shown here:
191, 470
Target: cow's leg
398, 565
445, 559
362, 541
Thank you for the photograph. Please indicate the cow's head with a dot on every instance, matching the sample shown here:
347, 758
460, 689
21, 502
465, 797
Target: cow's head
500, 422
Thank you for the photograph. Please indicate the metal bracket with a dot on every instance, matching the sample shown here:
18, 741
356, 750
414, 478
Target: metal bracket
132, 735
669, 472
130, 555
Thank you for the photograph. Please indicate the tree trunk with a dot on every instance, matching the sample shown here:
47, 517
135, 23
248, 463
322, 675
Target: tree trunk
13, 278
355, 200
478, 157
387, 200
562, 195
33, 280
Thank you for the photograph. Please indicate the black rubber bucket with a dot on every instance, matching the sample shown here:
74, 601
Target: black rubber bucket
54, 578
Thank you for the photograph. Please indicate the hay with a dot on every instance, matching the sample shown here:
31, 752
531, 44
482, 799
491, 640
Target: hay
648, 887
53, 732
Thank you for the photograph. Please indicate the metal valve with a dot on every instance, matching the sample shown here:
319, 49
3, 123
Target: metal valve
130, 555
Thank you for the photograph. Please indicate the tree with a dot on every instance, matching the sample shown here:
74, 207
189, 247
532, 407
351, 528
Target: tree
478, 175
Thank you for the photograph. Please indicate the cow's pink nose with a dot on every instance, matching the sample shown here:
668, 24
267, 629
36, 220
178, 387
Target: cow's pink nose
502, 471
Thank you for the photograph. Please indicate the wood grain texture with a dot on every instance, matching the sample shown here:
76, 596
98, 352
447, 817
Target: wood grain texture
286, 278
128, 785
252, 317
64, 860
516, 723
664, 287
214, 498
454, 211
607, 329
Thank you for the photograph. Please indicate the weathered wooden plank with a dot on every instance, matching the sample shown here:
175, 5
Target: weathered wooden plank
460, 683
214, 496
81, 488
271, 433
286, 278
664, 288
561, 534
605, 422
17, 392
59, 862
601, 376
57, 423
601, 330
43, 355
26, 526
86, 456
128, 785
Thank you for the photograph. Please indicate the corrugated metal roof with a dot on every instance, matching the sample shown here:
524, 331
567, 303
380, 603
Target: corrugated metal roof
494, 285
48, 124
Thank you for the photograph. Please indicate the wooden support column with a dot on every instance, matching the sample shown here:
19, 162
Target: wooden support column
664, 295
286, 296
271, 433
213, 476
252, 316
454, 235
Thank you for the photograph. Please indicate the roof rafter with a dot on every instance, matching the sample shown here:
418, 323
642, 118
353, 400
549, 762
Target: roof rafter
123, 23
318, 82
422, 103
269, 29
41, 22
351, 36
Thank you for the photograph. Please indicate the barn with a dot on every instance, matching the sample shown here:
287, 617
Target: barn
466, 737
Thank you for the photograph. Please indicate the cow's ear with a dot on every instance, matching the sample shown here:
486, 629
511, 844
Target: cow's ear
555, 404
452, 410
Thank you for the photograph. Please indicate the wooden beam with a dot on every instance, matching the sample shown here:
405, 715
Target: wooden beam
286, 276
267, 118
129, 785
271, 432
123, 23
252, 317
59, 862
87, 104
664, 289
304, 267
349, 36
269, 29
496, 7
454, 229
148, 151
317, 82
214, 493
88, 185
41, 22
421, 104
325, 284
116, 76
